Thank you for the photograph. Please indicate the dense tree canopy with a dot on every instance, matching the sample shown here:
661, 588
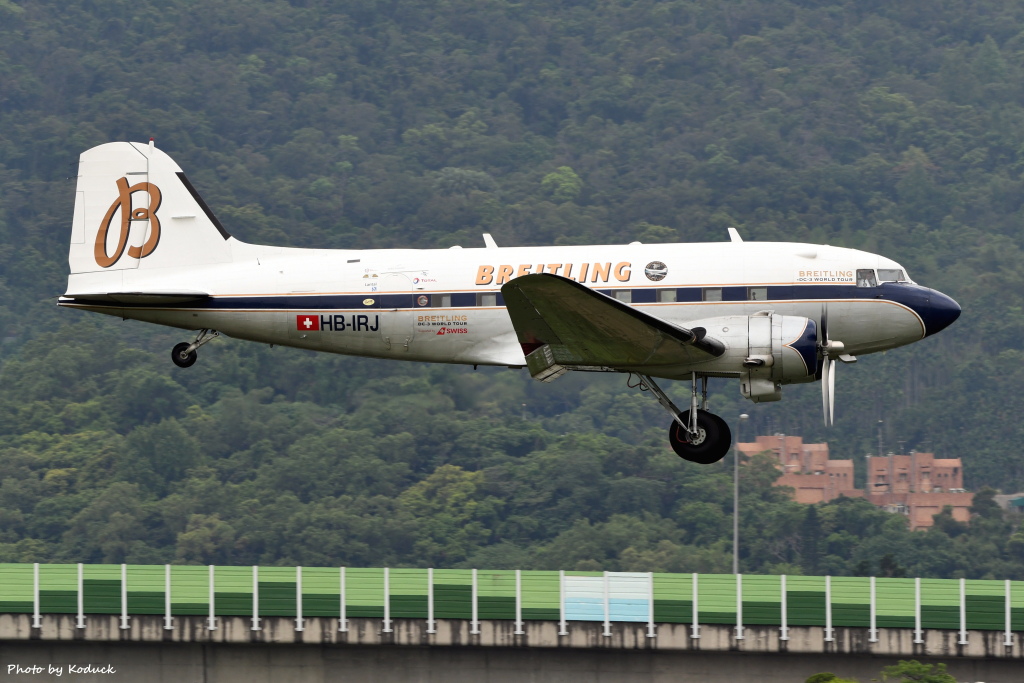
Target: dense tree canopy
893, 127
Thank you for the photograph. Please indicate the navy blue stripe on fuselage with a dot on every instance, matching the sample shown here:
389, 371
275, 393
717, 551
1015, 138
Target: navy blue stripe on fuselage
913, 296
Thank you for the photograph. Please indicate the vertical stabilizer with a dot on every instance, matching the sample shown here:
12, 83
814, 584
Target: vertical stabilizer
136, 210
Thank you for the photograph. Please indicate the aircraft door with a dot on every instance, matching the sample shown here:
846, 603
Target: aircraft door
394, 299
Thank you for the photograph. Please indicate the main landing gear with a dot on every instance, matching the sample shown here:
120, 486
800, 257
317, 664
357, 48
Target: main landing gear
695, 434
184, 354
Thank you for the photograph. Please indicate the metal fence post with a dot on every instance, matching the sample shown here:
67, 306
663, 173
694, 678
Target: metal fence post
387, 600
963, 611
36, 617
342, 618
255, 598
431, 624
81, 597
474, 625
873, 631
124, 596
739, 607
519, 603
168, 618
299, 622
607, 608
211, 624
561, 604
784, 611
1008, 637
917, 611
650, 605
695, 631
828, 610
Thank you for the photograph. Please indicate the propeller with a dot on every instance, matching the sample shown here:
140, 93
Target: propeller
828, 350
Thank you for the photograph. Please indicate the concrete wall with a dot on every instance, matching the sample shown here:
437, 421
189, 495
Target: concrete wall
233, 653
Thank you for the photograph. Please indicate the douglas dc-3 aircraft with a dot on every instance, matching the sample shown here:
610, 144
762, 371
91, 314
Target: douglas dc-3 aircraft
145, 246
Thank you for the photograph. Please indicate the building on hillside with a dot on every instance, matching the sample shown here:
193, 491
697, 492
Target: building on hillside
917, 485
806, 468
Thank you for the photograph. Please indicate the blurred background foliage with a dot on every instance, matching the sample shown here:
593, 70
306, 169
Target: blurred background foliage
892, 127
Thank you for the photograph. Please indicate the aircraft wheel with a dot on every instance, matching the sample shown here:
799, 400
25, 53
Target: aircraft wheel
711, 443
182, 357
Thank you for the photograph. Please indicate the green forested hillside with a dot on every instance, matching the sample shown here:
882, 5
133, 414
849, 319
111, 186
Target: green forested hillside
893, 127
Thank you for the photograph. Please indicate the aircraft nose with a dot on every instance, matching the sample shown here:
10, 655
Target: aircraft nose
940, 312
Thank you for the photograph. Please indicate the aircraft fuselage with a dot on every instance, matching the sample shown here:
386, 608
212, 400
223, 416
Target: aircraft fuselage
445, 305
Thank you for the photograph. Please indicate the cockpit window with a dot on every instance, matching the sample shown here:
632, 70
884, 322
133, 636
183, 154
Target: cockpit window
891, 275
866, 278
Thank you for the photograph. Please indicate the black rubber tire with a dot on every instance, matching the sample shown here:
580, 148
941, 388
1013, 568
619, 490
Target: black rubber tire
716, 442
182, 359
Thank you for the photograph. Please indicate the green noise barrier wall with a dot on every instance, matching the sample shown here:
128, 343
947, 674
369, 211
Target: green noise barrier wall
342, 593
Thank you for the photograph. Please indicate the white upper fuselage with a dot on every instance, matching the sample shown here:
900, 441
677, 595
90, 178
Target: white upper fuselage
444, 305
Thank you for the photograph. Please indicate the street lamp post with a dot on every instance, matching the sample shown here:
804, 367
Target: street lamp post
736, 496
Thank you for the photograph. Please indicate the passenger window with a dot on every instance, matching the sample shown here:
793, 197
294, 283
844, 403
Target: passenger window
624, 295
487, 299
440, 300
666, 296
891, 275
712, 294
757, 293
866, 278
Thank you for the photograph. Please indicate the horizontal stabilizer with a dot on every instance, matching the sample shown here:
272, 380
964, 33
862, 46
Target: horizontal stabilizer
134, 298
586, 329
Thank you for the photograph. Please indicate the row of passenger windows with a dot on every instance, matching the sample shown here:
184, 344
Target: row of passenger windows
865, 278
661, 296
668, 296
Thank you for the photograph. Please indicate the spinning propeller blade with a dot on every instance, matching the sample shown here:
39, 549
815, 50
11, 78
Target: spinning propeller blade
828, 369
830, 418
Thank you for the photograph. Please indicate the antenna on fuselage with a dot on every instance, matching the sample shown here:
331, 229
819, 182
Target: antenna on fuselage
734, 235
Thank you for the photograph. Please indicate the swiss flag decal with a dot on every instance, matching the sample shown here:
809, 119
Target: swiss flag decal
307, 322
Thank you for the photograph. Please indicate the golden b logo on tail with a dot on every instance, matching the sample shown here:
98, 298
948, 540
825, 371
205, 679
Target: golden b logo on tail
124, 203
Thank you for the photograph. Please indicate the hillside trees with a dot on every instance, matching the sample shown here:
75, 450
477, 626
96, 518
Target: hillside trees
896, 129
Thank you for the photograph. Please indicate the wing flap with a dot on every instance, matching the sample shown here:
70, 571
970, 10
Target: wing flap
583, 327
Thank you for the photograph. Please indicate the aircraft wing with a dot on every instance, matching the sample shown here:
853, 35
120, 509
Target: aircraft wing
563, 324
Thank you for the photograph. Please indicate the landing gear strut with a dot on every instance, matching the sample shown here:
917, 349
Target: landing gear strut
184, 354
695, 434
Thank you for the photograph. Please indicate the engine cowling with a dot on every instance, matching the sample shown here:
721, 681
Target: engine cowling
766, 350
781, 349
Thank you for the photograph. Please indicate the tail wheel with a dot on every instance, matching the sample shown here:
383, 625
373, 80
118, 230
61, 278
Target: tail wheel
709, 445
182, 357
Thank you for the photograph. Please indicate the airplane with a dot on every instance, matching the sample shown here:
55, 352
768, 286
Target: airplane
145, 246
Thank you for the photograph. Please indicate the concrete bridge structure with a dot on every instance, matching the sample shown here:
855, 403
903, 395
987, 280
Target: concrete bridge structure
110, 622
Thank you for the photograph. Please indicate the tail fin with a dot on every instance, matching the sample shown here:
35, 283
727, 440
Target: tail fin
135, 209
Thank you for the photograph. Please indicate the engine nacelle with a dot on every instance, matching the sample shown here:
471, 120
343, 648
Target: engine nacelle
766, 350
781, 349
